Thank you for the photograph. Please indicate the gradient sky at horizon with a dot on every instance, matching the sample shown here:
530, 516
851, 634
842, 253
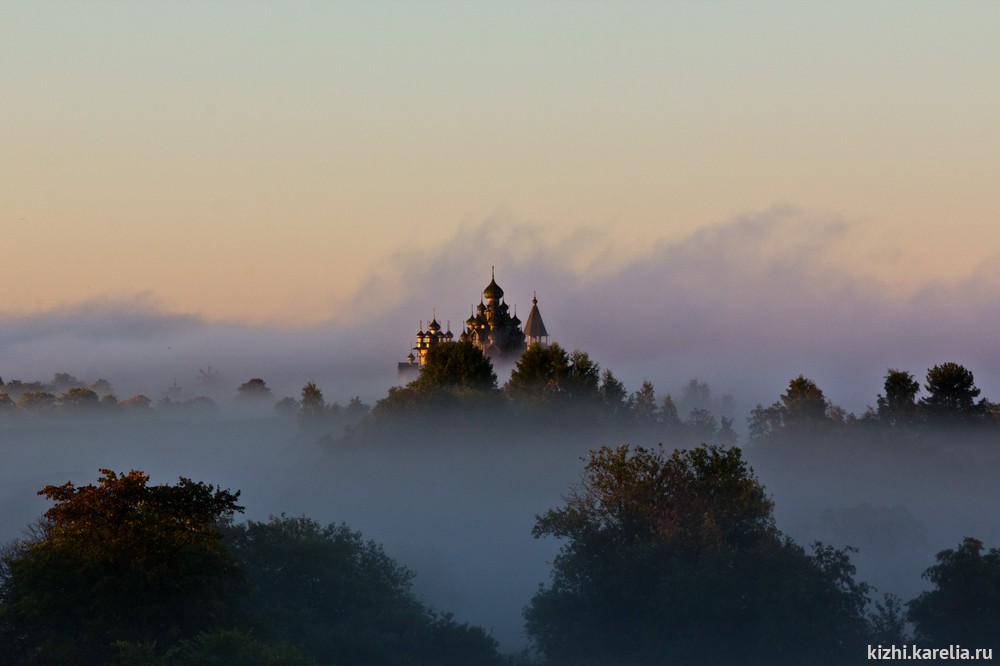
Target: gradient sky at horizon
259, 162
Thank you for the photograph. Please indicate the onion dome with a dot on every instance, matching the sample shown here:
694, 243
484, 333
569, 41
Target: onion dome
493, 292
434, 326
464, 337
410, 357
480, 308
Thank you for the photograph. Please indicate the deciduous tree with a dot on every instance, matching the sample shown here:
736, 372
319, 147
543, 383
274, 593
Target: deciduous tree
676, 560
120, 560
899, 404
963, 607
340, 598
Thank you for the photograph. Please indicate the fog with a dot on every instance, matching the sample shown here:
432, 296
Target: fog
744, 306
455, 499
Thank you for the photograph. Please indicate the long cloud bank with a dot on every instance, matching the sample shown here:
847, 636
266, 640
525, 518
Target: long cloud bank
745, 305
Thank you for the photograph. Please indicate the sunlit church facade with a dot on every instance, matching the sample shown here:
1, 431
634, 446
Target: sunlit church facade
491, 326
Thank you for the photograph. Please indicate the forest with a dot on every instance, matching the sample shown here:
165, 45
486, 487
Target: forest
671, 538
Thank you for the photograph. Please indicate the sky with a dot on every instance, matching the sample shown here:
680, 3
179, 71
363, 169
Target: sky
781, 185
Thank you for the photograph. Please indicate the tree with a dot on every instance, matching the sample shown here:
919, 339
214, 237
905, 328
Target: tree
899, 404
801, 408
539, 376
341, 599
254, 390
121, 560
804, 403
766, 422
102, 387
356, 408
219, 647
583, 378
702, 426
644, 403
952, 395
312, 405
676, 559
36, 401
137, 403
669, 416
963, 608
613, 394
696, 395
63, 381
287, 407
79, 399
546, 376
457, 365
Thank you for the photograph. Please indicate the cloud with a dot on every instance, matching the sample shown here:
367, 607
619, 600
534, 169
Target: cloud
745, 305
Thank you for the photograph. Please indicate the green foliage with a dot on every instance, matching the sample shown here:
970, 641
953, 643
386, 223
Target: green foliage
356, 408
804, 403
888, 621
137, 403
36, 401
254, 390
899, 404
287, 407
801, 410
121, 560
644, 403
964, 605
456, 376
220, 648
677, 560
330, 593
312, 405
549, 377
668, 414
539, 376
79, 398
613, 394
457, 365
583, 377
952, 395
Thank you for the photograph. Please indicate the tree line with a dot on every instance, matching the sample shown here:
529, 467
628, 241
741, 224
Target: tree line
668, 557
66, 395
950, 399
125, 572
549, 381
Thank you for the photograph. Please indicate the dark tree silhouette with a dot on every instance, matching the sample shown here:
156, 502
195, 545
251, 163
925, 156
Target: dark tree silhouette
676, 560
341, 599
457, 365
899, 404
951, 395
964, 606
254, 389
804, 403
539, 376
121, 560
